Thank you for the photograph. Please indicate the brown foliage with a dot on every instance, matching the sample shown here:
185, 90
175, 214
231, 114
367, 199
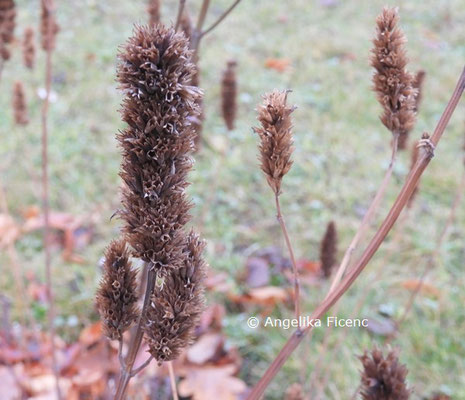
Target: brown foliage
383, 378
229, 95
19, 104
328, 250
29, 49
392, 82
117, 293
48, 25
275, 136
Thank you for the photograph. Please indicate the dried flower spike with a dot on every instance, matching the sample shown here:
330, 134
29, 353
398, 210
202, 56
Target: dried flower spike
275, 136
417, 84
176, 305
383, 378
29, 49
392, 82
229, 94
117, 293
328, 250
153, 9
294, 392
48, 25
155, 73
19, 104
7, 26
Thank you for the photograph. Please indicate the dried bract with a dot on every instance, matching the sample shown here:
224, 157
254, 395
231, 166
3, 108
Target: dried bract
29, 49
328, 250
383, 378
19, 104
48, 25
392, 82
229, 94
117, 294
275, 136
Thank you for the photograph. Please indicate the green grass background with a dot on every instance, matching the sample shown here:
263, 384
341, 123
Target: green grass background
341, 153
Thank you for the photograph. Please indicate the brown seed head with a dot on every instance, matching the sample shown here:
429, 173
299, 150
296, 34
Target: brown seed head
383, 378
29, 48
116, 297
229, 94
275, 136
392, 82
328, 250
48, 25
19, 104
294, 392
176, 304
153, 9
7, 26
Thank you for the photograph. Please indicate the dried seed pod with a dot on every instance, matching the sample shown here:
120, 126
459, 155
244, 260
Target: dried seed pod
275, 136
7, 26
294, 392
153, 9
229, 94
116, 297
176, 304
383, 378
328, 250
19, 104
393, 84
154, 72
29, 48
48, 25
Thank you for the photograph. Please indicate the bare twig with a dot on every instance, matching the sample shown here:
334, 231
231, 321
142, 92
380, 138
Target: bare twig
142, 366
182, 4
220, 19
282, 223
174, 390
197, 32
367, 217
399, 204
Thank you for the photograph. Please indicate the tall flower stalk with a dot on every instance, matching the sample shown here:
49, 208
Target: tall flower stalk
154, 73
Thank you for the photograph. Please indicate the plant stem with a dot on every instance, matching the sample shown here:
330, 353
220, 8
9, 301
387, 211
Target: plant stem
399, 204
135, 340
45, 206
282, 223
174, 391
367, 217
220, 19
182, 4
135, 371
197, 32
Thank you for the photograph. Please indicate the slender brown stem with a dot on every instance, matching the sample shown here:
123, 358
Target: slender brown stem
282, 223
174, 390
367, 217
120, 353
197, 32
45, 206
135, 371
182, 4
399, 204
135, 340
220, 19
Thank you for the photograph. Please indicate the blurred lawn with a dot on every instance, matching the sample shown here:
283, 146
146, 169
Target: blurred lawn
341, 153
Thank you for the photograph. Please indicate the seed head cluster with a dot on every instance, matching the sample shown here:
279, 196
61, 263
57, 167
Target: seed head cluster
48, 25
328, 250
29, 48
275, 135
19, 104
393, 84
7, 26
229, 94
383, 378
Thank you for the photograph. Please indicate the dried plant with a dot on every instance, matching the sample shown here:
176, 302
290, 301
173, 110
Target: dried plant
275, 137
392, 83
328, 250
153, 9
229, 95
117, 293
29, 48
185, 24
383, 378
417, 84
294, 392
155, 72
19, 104
7, 26
413, 160
48, 25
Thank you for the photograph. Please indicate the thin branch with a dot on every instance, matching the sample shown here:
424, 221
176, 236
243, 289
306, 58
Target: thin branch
367, 218
220, 19
120, 353
282, 223
174, 390
182, 4
197, 32
399, 204
142, 366
135, 340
